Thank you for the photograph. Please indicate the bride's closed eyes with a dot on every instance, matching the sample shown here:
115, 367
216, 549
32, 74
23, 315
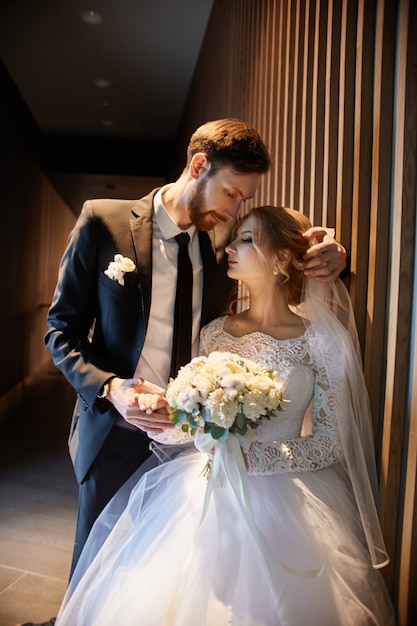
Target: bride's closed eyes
245, 236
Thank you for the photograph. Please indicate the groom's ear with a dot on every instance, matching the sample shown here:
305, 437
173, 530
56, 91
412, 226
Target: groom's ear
198, 165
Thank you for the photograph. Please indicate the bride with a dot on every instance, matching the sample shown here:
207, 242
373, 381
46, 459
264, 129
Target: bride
284, 531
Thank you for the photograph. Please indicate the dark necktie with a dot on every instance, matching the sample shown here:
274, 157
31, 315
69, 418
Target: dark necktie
183, 314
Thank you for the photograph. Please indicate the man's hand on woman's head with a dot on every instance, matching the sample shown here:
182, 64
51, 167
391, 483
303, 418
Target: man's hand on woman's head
326, 258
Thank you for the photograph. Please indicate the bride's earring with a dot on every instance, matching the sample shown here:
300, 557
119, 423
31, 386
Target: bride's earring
275, 271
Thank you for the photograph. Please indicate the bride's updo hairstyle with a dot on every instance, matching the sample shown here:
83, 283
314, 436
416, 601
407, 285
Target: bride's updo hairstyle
278, 230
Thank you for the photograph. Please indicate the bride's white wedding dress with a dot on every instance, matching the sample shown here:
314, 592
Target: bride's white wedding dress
280, 544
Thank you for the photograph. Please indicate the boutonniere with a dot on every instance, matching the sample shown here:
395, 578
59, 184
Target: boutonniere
117, 268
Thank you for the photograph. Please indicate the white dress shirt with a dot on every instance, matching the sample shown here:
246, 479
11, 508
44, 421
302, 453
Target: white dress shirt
155, 360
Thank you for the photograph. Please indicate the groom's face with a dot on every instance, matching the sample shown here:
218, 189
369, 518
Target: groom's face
218, 197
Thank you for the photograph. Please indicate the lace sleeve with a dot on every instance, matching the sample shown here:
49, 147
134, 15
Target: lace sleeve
173, 436
306, 453
204, 341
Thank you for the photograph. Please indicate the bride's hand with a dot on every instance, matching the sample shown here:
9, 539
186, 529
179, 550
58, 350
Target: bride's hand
150, 402
154, 413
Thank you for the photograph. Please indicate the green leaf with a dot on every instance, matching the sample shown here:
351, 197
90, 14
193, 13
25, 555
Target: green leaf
217, 431
193, 422
205, 414
178, 417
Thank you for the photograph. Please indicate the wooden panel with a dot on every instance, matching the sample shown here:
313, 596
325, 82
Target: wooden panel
400, 308
288, 97
292, 177
375, 344
346, 125
407, 373
28, 249
362, 161
332, 100
407, 584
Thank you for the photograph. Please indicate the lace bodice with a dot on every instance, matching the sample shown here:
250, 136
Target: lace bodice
281, 444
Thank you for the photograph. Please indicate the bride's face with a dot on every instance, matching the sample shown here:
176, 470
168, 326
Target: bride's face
247, 262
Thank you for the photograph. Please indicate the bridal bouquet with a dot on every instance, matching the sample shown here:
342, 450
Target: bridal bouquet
222, 393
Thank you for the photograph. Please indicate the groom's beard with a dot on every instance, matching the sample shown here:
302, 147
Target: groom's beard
200, 216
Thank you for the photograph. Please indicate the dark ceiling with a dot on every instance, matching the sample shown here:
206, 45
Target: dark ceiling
106, 81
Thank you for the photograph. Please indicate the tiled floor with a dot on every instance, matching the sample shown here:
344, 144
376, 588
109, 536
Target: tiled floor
38, 502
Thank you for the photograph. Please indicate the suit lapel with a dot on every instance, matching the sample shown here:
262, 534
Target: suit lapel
141, 230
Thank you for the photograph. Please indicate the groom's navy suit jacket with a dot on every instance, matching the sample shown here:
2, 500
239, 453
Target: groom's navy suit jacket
96, 326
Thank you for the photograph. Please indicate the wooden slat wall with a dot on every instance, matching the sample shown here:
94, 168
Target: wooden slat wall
35, 226
48, 222
332, 87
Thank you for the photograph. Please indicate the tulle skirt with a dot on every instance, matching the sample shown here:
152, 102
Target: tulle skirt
274, 550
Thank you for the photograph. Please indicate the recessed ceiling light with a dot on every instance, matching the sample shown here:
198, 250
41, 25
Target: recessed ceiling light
103, 83
107, 123
105, 104
91, 17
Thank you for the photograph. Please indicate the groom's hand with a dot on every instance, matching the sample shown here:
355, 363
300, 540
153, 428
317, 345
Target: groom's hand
326, 257
124, 394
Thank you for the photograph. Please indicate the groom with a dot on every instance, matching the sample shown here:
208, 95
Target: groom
113, 339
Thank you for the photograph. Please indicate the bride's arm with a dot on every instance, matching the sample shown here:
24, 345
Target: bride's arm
305, 453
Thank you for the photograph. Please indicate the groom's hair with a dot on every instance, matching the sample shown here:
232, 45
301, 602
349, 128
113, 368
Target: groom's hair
230, 143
